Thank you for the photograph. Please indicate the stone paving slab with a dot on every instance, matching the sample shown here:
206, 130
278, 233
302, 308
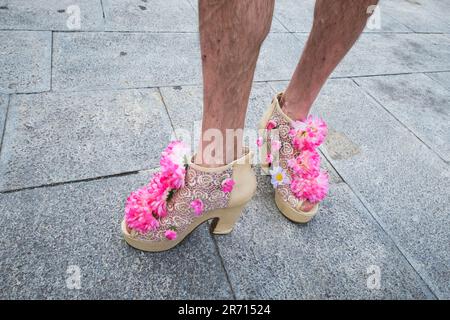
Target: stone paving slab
442, 77
57, 137
50, 15
400, 180
297, 16
3, 108
420, 15
419, 103
375, 54
87, 61
269, 257
279, 55
153, 15
25, 60
46, 230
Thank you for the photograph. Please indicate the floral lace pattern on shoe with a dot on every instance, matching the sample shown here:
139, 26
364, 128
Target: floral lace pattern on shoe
175, 197
292, 154
200, 186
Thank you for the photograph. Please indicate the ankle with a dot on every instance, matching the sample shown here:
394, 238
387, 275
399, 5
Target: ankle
214, 162
217, 154
294, 109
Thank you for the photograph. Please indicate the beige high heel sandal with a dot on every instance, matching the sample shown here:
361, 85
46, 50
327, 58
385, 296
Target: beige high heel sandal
205, 184
288, 204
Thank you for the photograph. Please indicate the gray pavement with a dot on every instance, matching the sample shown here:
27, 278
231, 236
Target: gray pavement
85, 112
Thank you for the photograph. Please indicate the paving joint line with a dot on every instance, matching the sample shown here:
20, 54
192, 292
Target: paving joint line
436, 81
400, 23
381, 225
103, 13
367, 93
227, 276
103, 31
8, 100
167, 111
194, 32
51, 61
56, 184
282, 24
192, 6
199, 84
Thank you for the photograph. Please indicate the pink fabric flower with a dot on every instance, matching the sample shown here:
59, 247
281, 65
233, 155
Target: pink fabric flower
158, 189
138, 214
314, 189
308, 134
172, 174
170, 234
173, 164
271, 124
269, 158
276, 145
198, 206
259, 141
176, 152
146, 205
306, 164
227, 185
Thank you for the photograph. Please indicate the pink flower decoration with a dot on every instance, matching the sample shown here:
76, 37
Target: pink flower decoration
176, 151
259, 141
173, 174
269, 158
227, 185
198, 206
306, 164
138, 214
276, 145
170, 234
172, 164
314, 189
308, 134
158, 189
146, 205
271, 124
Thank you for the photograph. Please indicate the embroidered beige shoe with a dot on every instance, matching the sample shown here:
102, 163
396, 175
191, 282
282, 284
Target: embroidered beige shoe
288, 151
184, 195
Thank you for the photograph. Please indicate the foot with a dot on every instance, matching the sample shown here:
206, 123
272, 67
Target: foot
307, 206
294, 161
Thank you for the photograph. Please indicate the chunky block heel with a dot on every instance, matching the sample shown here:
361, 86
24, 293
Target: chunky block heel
226, 219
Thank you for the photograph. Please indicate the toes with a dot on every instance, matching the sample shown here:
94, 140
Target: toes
307, 206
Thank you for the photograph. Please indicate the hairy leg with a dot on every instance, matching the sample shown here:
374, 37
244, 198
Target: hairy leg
337, 25
231, 34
